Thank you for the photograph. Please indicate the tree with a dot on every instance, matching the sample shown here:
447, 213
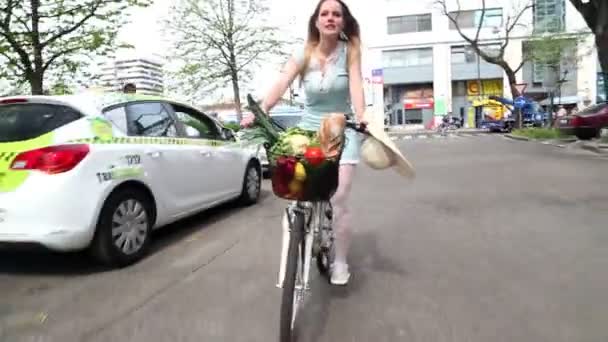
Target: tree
492, 57
558, 54
39, 37
220, 42
595, 14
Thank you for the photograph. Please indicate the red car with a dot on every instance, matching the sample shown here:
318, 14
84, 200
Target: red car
585, 124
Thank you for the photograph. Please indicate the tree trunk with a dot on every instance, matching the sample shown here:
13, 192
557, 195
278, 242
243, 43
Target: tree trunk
601, 41
36, 80
512, 79
237, 96
512, 82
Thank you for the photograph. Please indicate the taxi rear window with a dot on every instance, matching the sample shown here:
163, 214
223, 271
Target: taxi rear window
26, 121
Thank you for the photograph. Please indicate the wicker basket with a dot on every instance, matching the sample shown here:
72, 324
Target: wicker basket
319, 184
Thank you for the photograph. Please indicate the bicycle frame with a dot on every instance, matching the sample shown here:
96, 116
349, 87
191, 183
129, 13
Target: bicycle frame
313, 238
314, 213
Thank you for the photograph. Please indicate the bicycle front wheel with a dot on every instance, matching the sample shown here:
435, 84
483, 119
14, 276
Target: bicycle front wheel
291, 292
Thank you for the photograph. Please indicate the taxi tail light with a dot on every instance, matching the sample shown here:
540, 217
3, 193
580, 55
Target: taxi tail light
52, 159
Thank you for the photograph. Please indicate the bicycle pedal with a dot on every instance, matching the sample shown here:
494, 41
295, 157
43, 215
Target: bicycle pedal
300, 288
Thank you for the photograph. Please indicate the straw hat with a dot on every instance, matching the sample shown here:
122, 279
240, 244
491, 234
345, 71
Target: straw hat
379, 152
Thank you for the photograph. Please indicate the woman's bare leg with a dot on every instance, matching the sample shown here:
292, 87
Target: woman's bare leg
342, 225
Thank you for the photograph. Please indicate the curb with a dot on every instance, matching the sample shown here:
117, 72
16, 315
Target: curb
427, 133
563, 143
515, 137
599, 149
423, 136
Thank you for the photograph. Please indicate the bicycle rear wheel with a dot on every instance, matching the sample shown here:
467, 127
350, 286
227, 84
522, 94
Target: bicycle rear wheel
291, 293
325, 255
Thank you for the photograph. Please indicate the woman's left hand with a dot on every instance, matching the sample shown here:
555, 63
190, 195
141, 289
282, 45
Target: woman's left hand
247, 121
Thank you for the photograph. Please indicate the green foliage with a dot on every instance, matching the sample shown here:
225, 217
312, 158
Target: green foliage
218, 43
40, 39
199, 126
555, 50
233, 126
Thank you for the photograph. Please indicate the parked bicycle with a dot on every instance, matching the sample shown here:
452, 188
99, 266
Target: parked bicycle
307, 230
449, 122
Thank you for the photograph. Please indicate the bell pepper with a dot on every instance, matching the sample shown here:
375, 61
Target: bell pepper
314, 155
299, 172
295, 188
279, 185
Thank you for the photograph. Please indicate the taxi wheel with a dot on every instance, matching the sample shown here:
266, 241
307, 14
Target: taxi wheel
124, 227
252, 184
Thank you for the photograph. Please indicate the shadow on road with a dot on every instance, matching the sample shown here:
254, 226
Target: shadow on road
33, 261
367, 258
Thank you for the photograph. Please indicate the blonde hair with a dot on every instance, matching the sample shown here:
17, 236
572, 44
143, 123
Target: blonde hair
351, 32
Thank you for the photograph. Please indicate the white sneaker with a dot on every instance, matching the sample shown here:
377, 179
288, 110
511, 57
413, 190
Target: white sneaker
339, 274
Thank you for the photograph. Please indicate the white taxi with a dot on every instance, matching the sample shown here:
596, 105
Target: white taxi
100, 171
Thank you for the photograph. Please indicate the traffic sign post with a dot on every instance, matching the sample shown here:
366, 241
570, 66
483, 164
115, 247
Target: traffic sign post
520, 102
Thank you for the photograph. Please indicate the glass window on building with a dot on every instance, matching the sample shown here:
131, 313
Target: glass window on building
409, 23
466, 54
493, 50
549, 15
538, 73
491, 18
472, 18
407, 58
463, 55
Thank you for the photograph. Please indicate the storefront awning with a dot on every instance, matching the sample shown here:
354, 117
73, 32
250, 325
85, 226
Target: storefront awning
486, 102
560, 100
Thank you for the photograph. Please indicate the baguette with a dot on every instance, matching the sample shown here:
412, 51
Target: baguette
331, 134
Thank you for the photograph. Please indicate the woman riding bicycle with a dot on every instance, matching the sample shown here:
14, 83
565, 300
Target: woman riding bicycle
329, 66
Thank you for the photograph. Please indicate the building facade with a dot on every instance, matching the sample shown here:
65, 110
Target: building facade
423, 68
143, 71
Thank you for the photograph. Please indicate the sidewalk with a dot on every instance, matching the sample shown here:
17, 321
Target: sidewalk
593, 146
423, 131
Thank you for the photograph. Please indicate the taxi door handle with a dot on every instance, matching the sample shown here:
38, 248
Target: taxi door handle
206, 153
154, 154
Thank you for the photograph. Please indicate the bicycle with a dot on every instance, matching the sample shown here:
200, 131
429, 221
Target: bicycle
307, 233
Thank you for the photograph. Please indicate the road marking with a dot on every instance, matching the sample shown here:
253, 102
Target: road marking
23, 320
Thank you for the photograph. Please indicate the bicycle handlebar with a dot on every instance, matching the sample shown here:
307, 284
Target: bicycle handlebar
359, 127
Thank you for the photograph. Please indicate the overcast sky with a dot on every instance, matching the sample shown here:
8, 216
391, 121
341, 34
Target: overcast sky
145, 23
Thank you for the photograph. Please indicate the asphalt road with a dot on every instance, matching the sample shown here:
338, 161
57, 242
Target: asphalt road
496, 240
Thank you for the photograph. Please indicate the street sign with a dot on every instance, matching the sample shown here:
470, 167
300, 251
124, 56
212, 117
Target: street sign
520, 102
377, 76
521, 87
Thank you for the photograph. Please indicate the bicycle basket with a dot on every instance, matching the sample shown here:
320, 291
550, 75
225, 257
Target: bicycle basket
295, 178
